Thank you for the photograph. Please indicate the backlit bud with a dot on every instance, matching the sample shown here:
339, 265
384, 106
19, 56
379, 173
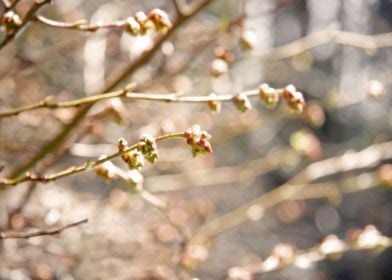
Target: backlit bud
248, 40
218, 67
133, 27
214, 105
10, 21
241, 102
143, 21
122, 144
294, 99
198, 140
134, 159
160, 19
268, 96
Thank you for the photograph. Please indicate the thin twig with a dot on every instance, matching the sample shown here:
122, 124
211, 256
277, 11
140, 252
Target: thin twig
123, 93
78, 169
52, 231
367, 42
35, 7
80, 25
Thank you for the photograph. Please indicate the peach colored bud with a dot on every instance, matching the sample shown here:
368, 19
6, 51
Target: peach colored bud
106, 170
294, 99
132, 26
122, 144
198, 140
160, 19
284, 252
314, 114
143, 21
224, 53
248, 40
331, 245
11, 21
241, 102
369, 238
269, 97
218, 67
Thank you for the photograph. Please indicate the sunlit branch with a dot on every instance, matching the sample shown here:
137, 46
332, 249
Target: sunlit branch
43, 232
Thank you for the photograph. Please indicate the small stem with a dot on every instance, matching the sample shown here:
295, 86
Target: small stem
53, 231
78, 169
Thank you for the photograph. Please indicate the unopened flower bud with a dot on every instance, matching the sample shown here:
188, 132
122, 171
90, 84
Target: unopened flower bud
331, 245
143, 21
133, 27
314, 114
248, 40
375, 89
218, 67
268, 96
241, 102
148, 147
134, 159
198, 140
214, 105
122, 144
106, 170
160, 19
224, 53
10, 21
294, 99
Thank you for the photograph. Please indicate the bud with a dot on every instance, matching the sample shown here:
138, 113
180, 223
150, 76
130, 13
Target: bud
268, 96
218, 67
331, 245
148, 147
314, 114
369, 238
106, 170
248, 40
143, 21
11, 21
160, 19
132, 26
122, 144
283, 252
294, 99
241, 102
134, 159
198, 140
214, 105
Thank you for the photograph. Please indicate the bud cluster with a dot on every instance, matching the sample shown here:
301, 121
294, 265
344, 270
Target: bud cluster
10, 22
146, 149
141, 23
198, 140
294, 99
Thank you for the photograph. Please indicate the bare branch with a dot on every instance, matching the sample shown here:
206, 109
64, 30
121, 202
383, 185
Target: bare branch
43, 232
78, 169
37, 5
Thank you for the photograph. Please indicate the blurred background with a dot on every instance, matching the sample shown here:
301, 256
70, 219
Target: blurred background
225, 47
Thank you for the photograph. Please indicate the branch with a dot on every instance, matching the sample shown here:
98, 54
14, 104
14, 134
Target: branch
37, 5
284, 255
371, 156
367, 42
143, 59
52, 231
78, 169
124, 93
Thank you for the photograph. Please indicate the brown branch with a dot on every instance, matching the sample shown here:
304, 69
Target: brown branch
78, 169
371, 156
43, 232
367, 42
123, 93
142, 60
35, 7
